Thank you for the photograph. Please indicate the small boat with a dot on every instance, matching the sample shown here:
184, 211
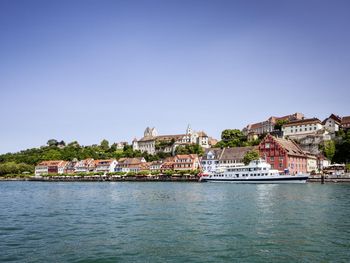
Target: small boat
257, 172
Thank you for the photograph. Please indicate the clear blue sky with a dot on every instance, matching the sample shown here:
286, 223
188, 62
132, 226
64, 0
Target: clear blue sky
89, 70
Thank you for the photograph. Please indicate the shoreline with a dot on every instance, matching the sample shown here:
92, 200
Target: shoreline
329, 179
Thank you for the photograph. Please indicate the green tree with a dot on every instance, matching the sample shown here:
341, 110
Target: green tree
233, 138
189, 149
52, 142
231, 135
279, 124
104, 145
329, 149
250, 156
342, 147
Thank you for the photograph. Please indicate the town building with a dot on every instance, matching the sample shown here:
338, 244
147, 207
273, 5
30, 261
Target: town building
135, 164
168, 164
121, 145
155, 165
312, 163
85, 166
231, 157
322, 162
50, 167
152, 143
186, 162
215, 159
210, 160
70, 167
300, 128
283, 154
268, 126
345, 123
332, 124
106, 166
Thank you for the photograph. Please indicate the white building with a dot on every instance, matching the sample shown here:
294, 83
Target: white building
210, 160
332, 123
85, 166
51, 167
152, 143
106, 166
311, 163
216, 159
300, 128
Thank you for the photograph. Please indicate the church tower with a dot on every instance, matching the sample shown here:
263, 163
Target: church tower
189, 129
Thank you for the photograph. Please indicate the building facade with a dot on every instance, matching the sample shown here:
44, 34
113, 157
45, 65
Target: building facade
283, 155
332, 123
50, 167
216, 159
300, 128
186, 162
131, 165
152, 143
345, 123
268, 126
106, 166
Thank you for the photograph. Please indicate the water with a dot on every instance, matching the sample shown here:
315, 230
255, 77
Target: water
173, 222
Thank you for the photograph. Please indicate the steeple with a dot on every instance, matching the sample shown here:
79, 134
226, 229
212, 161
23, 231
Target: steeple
189, 129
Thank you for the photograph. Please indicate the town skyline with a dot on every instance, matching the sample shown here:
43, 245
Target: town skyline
181, 131
86, 71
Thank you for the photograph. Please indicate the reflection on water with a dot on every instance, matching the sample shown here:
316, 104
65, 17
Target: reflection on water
174, 222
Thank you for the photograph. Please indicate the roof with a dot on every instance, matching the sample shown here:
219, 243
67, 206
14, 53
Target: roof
336, 118
58, 163
86, 162
162, 137
304, 121
186, 156
235, 153
345, 120
202, 134
103, 162
289, 146
216, 151
131, 161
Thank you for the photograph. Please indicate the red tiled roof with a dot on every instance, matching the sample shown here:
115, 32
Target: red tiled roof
58, 163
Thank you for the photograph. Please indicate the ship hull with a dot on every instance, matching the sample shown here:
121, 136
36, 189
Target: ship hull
283, 180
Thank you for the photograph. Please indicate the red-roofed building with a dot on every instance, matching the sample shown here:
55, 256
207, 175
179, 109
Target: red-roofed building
283, 154
268, 125
105, 165
50, 167
186, 162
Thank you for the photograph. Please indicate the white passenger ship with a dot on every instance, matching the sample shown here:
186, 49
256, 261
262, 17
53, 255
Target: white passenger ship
258, 171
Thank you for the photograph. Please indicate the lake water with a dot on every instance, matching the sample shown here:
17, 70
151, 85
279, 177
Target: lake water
173, 222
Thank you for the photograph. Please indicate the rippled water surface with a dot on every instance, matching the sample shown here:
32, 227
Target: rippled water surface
173, 222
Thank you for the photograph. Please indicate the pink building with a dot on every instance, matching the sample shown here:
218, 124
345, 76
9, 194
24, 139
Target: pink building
283, 154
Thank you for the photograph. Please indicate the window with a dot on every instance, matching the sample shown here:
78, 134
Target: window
272, 158
305, 129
